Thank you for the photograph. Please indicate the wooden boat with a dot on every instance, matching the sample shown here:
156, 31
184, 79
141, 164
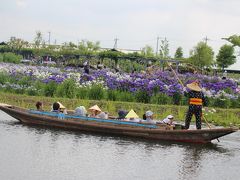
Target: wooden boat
114, 126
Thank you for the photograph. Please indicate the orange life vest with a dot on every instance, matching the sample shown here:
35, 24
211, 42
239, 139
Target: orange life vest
195, 101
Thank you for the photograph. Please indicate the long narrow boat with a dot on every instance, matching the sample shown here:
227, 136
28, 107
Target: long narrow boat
114, 126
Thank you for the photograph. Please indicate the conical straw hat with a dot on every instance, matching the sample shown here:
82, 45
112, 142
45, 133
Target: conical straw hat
131, 114
95, 107
194, 86
61, 106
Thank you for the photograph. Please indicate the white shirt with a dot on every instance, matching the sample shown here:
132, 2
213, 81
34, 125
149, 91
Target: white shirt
80, 111
167, 121
102, 115
150, 120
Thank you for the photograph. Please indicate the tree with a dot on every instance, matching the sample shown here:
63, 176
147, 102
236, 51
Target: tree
38, 40
88, 47
164, 49
234, 39
68, 48
179, 53
112, 54
16, 44
202, 55
147, 51
226, 56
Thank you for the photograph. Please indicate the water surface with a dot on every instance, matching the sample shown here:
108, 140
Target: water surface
37, 153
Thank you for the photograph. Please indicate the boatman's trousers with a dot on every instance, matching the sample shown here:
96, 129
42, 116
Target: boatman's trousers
197, 111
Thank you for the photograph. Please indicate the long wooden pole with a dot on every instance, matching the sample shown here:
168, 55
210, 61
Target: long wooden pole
175, 75
183, 87
208, 124
206, 121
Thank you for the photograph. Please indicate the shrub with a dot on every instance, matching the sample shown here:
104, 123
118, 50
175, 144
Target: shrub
184, 101
1, 57
50, 88
3, 77
176, 98
39, 86
112, 95
235, 103
96, 92
11, 58
125, 96
67, 89
25, 81
161, 98
228, 90
142, 96
32, 91
59, 91
19, 90
221, 102
82, 93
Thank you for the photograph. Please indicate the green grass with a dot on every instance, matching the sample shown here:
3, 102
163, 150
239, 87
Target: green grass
224, 117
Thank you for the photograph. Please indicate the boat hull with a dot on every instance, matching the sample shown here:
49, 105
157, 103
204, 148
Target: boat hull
160, 134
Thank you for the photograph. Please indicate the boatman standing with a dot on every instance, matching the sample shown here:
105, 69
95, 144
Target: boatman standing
196, 101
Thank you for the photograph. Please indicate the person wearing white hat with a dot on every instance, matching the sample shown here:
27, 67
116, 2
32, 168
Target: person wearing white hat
168, 120
81, 111
149, 117
196, 101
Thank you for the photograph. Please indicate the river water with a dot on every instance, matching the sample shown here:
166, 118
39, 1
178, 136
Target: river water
37, 153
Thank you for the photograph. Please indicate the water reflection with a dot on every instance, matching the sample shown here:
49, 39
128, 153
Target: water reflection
123, 141
193, 158
83, 155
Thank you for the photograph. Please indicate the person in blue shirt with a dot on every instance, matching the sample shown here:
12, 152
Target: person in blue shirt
39, 106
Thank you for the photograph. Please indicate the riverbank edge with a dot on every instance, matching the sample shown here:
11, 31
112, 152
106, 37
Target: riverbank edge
222, 117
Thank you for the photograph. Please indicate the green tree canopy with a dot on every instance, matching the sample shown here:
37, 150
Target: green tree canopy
179, 53
88, 47
226, 56
164, 49
202, 55
147, 51
16, 44
234, 39
38, 40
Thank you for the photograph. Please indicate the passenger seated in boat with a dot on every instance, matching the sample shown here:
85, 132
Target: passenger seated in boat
62, 108
149, 117
169, 120
95, 110
81, 111
56, 107
102, 115
122, 114
144, 116
132, 116
39, 106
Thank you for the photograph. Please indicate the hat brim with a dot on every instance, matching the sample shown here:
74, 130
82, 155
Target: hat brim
194, 87
61, 106
131, 114
96, 108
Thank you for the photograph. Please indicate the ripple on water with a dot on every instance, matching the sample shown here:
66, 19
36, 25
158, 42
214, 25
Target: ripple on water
29, 152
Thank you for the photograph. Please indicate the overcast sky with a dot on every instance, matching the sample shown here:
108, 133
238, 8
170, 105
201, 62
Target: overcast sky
135, 23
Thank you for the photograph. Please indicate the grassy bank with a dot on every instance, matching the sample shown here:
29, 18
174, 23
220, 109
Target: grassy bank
224, 117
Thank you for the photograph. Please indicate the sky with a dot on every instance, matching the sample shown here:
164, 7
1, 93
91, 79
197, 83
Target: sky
135, 23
